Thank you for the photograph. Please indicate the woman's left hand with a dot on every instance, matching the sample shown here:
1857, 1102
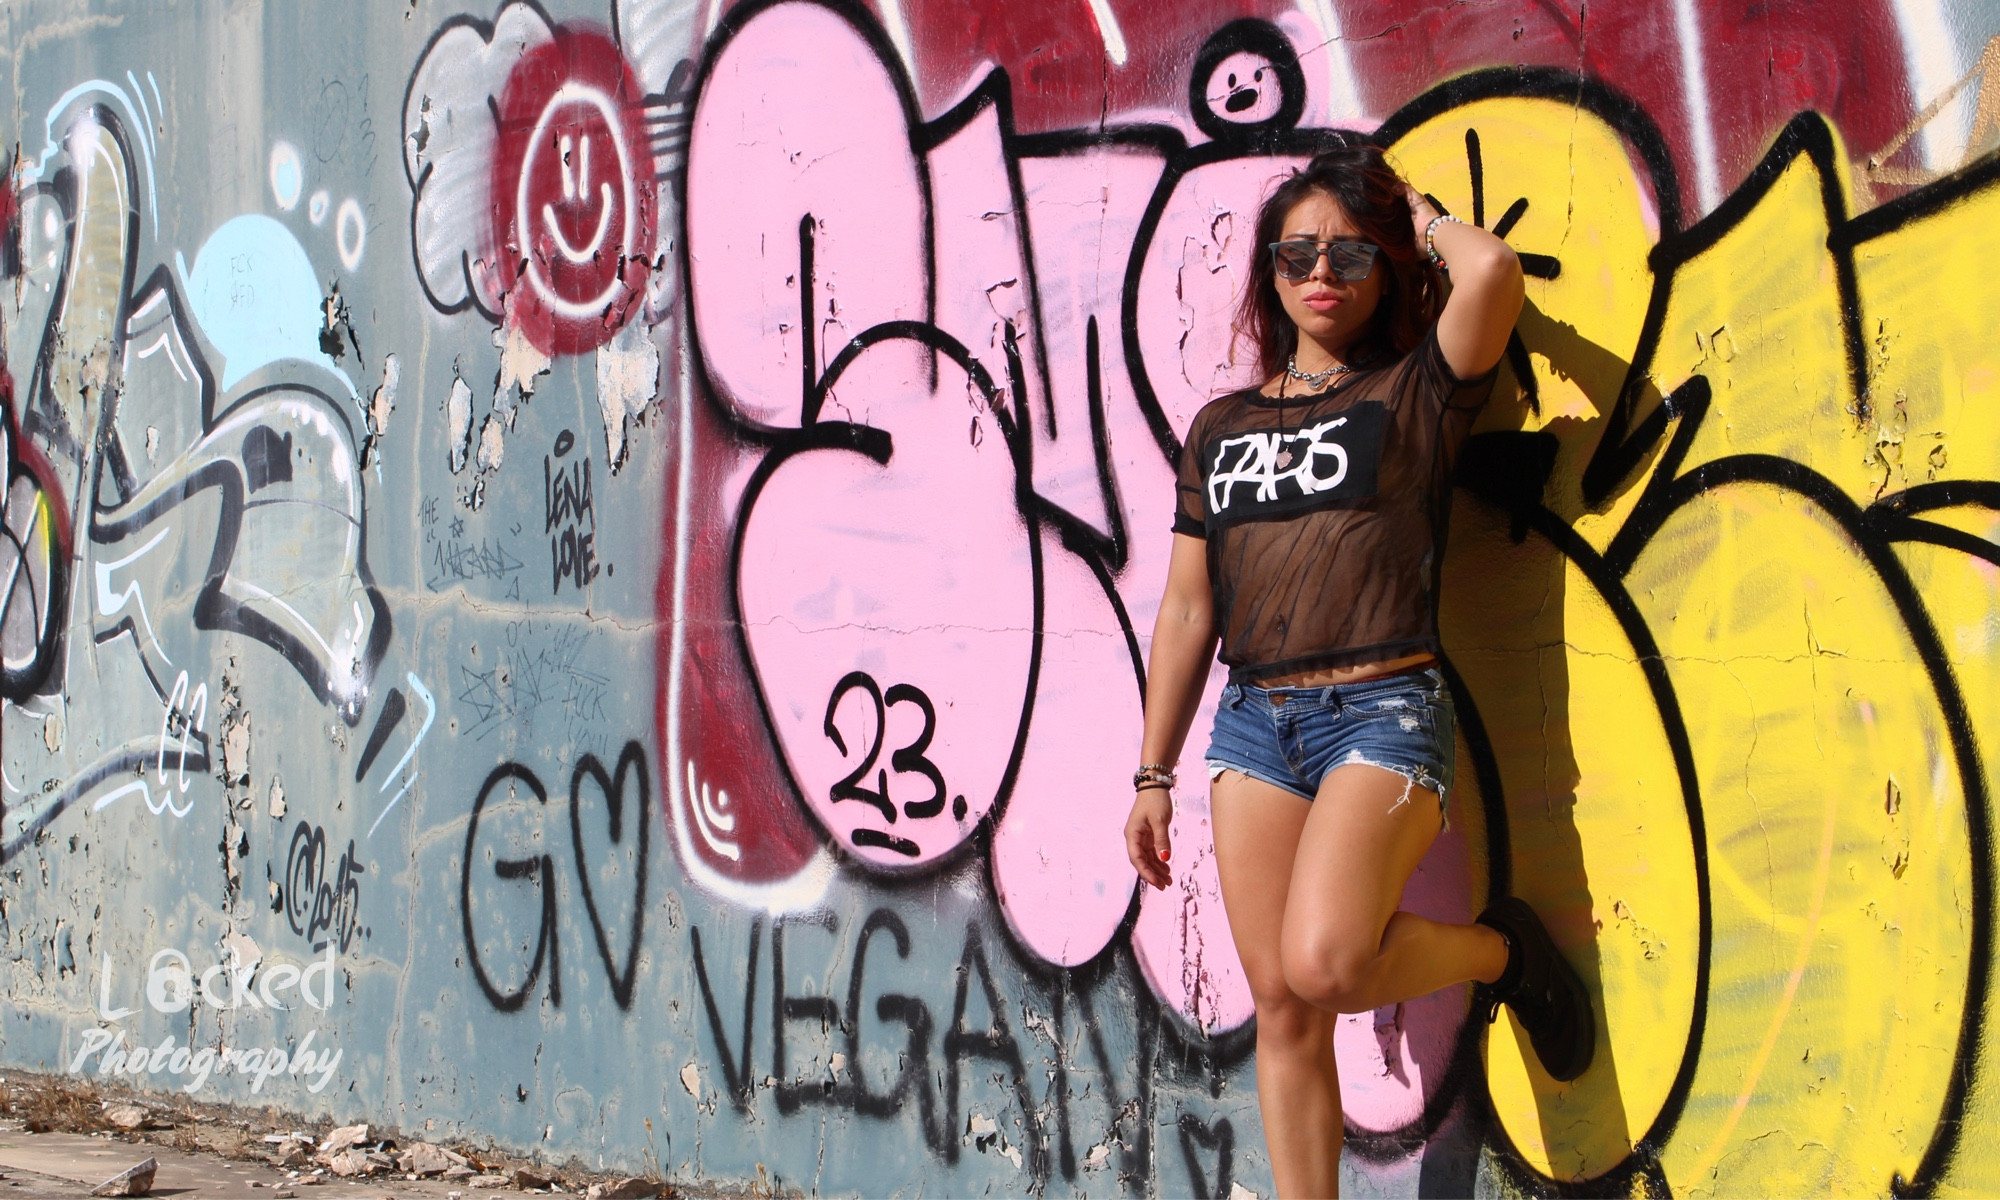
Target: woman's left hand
1422, 211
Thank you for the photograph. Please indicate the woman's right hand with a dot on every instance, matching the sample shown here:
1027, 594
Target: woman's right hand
1183, 644
1146, 842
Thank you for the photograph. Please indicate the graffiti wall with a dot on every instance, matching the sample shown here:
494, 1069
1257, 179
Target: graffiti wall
580, 575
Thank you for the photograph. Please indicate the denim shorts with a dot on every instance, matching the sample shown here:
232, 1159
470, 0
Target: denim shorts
1293, 737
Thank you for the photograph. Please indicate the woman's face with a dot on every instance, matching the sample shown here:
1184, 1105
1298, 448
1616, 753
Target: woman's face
1331, 311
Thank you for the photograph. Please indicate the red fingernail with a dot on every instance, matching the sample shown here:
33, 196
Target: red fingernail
1165, 855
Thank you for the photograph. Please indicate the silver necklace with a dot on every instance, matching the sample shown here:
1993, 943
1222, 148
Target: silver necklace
1314, 379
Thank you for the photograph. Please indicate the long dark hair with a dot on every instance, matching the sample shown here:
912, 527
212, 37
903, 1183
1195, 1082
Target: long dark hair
1357, 177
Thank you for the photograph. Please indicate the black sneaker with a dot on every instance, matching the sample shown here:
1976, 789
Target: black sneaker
1542, 989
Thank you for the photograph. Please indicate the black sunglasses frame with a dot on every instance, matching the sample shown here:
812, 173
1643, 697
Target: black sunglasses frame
1352, 272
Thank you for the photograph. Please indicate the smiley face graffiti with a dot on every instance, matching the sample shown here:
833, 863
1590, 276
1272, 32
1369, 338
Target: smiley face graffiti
572, 193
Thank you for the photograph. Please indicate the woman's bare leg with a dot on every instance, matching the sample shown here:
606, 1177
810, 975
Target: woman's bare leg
1257, 832
1345, 946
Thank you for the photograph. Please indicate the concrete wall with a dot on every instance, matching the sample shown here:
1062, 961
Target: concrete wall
580, 576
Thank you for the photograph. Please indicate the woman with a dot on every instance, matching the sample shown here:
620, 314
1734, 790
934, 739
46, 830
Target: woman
1307, 538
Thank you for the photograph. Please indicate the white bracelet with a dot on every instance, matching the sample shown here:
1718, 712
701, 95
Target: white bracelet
1430, 233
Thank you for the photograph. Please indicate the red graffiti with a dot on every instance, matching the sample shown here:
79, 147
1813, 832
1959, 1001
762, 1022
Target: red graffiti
1757, 62
572, 203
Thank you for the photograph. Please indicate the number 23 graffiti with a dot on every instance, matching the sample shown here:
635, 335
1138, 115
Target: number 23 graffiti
908, 760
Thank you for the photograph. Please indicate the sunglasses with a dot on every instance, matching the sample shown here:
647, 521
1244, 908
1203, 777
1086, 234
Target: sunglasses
1349, 261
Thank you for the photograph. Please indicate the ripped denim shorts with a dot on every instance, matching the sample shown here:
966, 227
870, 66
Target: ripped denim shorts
1292, 737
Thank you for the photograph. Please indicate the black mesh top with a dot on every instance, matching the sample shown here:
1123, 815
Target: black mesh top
1325, 515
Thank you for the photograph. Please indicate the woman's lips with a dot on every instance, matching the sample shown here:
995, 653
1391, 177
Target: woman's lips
1322, 301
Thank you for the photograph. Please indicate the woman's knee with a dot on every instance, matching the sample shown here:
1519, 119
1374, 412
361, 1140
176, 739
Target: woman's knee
1284, 1018
1330, 973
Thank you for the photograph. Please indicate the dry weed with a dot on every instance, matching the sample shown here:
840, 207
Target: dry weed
53, 1103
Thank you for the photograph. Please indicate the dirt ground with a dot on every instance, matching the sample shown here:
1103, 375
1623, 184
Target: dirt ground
60, 1137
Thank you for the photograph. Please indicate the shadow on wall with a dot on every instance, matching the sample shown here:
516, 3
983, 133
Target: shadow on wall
1692, 625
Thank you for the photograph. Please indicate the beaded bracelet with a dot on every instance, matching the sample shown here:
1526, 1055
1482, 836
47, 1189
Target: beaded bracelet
1430, 233
1162, 773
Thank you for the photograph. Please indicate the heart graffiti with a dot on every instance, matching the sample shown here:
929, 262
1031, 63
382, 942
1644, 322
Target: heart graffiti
611, 785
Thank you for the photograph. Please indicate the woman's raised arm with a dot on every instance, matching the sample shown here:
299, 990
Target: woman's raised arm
1486, 290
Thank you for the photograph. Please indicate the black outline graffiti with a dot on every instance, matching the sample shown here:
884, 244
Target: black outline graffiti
916, 1078
878, 446
485, 30
631, 760
1104, 554
568, 501
1641, 428
1129, 1118
214, 610
732, 22
1247, 35
127, 763
737, 1080
916, 1074
1873, 532
1220, 1139
995, 1044
908, 759
312, 904
394, 706
107, 475
541, 869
